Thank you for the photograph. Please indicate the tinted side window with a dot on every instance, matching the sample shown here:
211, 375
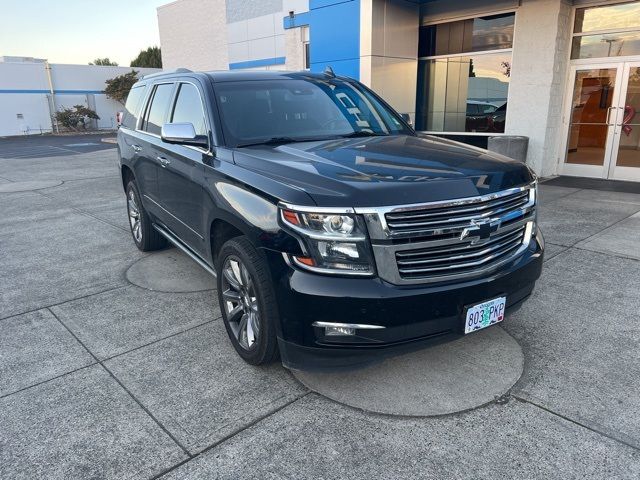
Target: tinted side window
188, 108
157, 112
132, 107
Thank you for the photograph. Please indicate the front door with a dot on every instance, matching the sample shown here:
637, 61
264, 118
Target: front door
603, 140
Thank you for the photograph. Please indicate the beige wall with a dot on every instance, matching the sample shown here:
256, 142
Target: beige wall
294, 39
389, 50
193, 34
538, 79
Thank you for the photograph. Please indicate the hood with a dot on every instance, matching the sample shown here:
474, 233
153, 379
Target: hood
386, 170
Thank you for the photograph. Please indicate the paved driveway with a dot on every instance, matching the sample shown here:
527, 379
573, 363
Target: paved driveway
100, 378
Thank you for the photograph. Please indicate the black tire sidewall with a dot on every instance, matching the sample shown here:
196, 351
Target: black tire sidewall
266, 348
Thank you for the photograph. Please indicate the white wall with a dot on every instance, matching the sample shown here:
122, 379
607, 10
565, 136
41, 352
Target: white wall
25, 91
193, 34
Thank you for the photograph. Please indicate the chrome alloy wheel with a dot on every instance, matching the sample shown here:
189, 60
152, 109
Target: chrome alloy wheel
240, 302
134, 217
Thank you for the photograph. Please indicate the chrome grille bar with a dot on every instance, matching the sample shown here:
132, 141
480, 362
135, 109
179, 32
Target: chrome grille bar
451, 240
470, 252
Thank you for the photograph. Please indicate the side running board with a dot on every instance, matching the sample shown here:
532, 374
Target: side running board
179, 244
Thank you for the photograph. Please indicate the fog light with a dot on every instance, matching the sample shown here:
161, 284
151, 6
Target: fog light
334, 331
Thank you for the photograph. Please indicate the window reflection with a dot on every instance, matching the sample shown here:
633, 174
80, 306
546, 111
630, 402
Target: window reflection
606, 45
463, 94
626, 15
494, 32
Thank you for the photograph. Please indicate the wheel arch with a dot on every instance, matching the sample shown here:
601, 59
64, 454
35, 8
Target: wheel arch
126, 174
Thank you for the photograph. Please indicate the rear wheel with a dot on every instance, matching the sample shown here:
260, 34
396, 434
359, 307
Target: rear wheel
144, 235
247, 301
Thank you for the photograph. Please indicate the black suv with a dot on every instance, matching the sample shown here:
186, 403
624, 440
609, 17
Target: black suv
335, 231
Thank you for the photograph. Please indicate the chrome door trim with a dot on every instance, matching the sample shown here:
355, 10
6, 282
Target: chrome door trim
183, 247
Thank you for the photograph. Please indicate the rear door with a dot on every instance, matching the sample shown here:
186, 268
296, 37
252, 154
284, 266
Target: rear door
148, 164
179, 178
129, 142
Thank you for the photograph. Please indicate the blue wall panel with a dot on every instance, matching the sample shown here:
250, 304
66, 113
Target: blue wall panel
334, 35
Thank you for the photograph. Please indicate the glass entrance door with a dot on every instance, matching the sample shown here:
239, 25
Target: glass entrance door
604, 122
591, 120
625, 161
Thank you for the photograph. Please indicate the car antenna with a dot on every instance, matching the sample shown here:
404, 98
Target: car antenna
329, 72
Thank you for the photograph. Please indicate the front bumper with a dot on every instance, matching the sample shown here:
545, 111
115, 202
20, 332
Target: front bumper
413, 316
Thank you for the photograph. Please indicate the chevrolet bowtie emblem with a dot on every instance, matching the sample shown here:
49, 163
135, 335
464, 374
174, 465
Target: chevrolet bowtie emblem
480, 229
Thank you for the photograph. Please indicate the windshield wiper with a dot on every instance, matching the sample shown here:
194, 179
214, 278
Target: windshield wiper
363, 133
273, 141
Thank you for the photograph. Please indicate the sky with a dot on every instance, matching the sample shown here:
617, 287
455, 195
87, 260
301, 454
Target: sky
78, 31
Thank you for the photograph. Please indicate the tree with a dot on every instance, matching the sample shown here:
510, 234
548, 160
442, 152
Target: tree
118, 87
506, 68
149, 58
76, 118
105, 62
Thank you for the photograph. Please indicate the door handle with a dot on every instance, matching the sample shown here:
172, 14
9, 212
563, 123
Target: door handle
163, 161
136, 148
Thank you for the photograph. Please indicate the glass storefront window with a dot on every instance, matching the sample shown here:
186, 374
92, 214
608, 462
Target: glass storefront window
606, 45
494, 32
607, 17
464, 93
616, 31
463, 74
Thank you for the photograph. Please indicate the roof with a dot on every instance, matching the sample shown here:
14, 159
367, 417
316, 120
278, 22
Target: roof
240, 75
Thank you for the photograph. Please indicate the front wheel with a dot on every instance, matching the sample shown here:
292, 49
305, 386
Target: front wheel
247, 301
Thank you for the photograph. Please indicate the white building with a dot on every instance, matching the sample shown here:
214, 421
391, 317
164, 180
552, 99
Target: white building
567, 72
31, 90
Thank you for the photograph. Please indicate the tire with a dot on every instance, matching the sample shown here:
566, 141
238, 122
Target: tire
248, 288
144, 235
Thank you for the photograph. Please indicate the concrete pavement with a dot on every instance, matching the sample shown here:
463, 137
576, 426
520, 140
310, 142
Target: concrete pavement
103, 378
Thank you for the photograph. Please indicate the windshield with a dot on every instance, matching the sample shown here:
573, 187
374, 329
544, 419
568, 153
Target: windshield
258, 111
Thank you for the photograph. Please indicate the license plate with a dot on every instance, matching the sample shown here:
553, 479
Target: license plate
485, 314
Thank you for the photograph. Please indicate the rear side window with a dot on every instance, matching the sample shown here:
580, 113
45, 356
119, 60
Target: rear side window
132, 107
157, 111
189, 108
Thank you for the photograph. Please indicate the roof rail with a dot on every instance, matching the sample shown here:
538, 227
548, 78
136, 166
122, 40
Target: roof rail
177, 70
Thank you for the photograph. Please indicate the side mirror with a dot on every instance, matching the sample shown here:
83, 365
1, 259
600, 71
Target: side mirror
119, 117
183, 134
407, 118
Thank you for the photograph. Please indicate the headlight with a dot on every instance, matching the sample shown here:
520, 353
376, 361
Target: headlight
333, 242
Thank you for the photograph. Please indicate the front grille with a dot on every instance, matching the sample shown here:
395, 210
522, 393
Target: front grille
464, 258
452, 240
449, 221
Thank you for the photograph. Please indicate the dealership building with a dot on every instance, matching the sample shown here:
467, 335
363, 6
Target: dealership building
32, 90
564, 74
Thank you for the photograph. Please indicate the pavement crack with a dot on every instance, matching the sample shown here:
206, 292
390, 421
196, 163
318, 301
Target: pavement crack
578, 423
65, 302
231, 435
129, 392
86, 213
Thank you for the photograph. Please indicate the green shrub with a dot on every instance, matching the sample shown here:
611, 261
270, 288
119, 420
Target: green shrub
76, 118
